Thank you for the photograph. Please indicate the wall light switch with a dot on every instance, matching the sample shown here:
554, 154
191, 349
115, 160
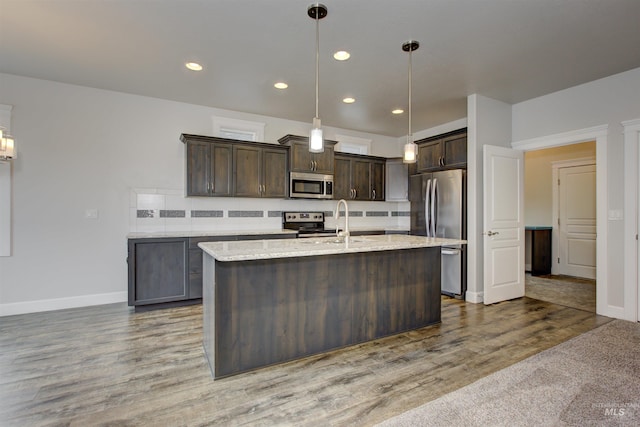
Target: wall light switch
615, 215
91, 214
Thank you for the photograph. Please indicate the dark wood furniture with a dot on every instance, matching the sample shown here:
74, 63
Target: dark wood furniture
446, 151
227, 167
262, 312
540, 250
301, 160
359, 177
167, 272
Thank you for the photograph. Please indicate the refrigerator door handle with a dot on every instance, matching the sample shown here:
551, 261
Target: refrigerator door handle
427, 208
434, 207
450, 252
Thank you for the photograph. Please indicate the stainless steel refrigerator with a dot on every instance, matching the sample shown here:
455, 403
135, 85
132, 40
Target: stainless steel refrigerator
438, 209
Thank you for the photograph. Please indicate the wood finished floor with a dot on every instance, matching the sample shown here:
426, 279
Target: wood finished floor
106, 365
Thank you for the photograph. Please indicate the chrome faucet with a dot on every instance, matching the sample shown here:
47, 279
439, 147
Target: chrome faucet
345, 233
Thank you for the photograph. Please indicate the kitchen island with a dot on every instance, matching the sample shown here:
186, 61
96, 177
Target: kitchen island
271, 301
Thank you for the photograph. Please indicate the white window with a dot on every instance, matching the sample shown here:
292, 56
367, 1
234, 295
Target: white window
353, 144
244, 130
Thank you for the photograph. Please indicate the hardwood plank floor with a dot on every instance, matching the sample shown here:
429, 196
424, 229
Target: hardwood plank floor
107, 365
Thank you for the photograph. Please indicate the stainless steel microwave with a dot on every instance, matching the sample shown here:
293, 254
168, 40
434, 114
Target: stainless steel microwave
310, 186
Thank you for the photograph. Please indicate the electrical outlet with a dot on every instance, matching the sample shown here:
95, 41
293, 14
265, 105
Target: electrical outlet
91, 213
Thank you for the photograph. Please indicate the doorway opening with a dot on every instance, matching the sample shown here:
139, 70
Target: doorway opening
560, 217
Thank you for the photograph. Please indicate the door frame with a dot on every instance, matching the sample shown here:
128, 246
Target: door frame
631, 225
555, 233
599, 134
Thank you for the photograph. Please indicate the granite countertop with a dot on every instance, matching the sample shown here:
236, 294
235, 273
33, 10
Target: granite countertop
288, 248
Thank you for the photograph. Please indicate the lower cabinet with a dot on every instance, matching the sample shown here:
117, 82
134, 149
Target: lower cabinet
158, 271
167, 272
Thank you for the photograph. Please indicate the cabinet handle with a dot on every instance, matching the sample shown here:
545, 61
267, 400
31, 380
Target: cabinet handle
315, 165
374, 194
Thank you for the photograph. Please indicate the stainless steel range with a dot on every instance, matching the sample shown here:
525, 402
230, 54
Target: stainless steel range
307, 224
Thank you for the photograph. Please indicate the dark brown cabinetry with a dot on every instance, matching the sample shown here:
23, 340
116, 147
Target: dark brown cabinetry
447, 151
359, 177
301, 160
259, 172
208, 169
226, 167
166, 272
158, 271
540, 240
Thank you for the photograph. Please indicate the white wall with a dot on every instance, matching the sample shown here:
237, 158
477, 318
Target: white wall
489, 123
538, 177
83, 148
607, 101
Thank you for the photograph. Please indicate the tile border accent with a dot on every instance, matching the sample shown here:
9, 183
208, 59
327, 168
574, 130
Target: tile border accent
145, 213
246, 214
172, 213
207, 214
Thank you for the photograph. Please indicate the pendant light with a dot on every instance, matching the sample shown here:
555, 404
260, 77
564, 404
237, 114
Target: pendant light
317, 11
410, 148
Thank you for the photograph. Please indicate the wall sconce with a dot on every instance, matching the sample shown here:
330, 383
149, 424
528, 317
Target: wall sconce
7, 146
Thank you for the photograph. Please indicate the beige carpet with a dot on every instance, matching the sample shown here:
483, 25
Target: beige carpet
574, 292
590, 380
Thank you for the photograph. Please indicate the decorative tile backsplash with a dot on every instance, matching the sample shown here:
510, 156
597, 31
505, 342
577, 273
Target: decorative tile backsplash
165, 210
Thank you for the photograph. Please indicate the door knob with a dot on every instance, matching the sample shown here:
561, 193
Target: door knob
491, 233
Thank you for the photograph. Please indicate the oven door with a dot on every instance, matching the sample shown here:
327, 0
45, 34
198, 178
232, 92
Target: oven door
311, 186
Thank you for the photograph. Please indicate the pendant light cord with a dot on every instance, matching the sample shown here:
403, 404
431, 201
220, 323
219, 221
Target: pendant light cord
409, 135
317, 60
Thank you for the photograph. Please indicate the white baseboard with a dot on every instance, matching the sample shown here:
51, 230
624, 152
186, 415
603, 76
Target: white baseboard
61, 303
474, 297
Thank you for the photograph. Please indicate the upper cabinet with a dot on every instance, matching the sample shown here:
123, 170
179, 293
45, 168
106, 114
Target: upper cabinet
359, 177
226, 167
396, 182
448, 151
301, 160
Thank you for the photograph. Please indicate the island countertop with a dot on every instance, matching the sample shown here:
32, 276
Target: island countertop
289, 248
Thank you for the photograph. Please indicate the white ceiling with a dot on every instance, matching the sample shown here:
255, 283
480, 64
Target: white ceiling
510, 50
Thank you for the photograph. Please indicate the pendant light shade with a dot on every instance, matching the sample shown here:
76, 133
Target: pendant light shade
316, 141
7, 146
410, 148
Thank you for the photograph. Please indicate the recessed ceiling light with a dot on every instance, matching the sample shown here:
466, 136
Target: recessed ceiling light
349, 100
398, 111
342, 55
193, 66
281, 85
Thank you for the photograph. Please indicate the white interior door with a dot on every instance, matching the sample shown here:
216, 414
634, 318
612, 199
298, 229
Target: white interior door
577, 221
503, 224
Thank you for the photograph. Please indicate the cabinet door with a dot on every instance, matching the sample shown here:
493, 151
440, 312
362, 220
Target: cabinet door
158, 271
377, 180
417, 188
324, 162
455, 151
274, 177
221, 169
198, 168
429, 155
247, 171
397, 181
361, 179
300, 157
342, 178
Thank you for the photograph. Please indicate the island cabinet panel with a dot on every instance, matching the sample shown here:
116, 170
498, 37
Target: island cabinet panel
262, 312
